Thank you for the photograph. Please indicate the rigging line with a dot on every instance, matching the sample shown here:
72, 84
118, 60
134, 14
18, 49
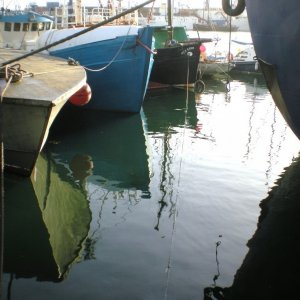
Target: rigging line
168, 269
2, 183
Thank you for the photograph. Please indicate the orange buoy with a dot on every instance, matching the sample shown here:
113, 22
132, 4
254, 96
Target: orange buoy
82, 96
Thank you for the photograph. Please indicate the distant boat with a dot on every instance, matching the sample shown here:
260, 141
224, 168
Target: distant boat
245, 61
211, 67
34, 90
219, 22
275, 28
214, 25
20, 30
117, 58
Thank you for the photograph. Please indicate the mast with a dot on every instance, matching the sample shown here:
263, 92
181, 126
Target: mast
170, 17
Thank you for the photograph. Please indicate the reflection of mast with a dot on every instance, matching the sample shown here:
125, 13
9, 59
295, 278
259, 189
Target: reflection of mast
166, 170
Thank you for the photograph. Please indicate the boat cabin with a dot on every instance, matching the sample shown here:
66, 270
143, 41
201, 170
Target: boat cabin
20, 30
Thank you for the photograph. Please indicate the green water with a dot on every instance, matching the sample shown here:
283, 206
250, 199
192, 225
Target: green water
157, 205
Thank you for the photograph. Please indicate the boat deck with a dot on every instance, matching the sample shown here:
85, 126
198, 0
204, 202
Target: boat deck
46, 80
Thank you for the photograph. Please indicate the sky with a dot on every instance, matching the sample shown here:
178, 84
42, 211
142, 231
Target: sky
12, 4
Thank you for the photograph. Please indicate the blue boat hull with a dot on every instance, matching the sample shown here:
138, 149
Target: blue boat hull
275, 31
118, 70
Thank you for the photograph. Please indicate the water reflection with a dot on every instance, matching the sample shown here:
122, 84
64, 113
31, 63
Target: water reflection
47, 219
168, 114
270, 270
109, 149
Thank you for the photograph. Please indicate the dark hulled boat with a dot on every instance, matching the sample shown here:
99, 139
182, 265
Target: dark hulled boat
177, 57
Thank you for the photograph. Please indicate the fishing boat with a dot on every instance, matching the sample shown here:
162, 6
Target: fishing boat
213, 20
177, 58
245, 60
20, 29
117, 58
275, 28
33, 91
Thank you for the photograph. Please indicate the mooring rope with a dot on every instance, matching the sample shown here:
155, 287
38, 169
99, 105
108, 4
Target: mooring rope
110, 62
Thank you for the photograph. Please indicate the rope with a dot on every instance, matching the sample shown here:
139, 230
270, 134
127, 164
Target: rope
112, 60
117, 16
229, 51
14, 73
9, 80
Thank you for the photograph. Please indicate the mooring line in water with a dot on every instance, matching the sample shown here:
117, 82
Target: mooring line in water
168, 268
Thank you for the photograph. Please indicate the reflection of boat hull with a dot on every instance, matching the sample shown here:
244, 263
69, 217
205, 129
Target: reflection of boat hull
27, 252
31, 105
116, 144
45, 228
277, 48
117, 60
169, 109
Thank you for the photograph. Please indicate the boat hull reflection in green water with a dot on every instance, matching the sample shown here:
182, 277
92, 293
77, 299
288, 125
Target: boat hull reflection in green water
45, 230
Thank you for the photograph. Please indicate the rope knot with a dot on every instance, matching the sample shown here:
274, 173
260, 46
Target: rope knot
13, 73
73, 62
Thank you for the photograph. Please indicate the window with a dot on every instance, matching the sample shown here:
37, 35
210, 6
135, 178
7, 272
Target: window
25, 26
34, 27
17, 26
41, 26
7, 26
48, 25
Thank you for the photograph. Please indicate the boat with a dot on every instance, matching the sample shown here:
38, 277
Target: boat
245, 60
118, 74
116, 59
34, 90
213, 64
211, 67
214, 25
20, 29
177, 57
275, 36
218, 22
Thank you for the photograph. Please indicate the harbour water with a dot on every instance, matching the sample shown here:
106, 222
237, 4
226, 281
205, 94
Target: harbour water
157, 205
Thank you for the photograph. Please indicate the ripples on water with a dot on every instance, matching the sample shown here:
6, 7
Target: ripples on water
159, 205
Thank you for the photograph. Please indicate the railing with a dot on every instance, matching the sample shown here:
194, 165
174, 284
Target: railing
65, 17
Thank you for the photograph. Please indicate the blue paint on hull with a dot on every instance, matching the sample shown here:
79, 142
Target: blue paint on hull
124, 70
275, 30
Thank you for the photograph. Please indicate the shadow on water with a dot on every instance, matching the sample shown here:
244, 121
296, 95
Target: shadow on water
270, 269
